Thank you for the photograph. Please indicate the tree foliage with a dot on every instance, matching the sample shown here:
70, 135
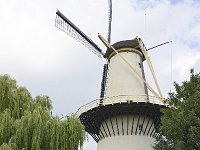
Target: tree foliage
180, 124
26, 122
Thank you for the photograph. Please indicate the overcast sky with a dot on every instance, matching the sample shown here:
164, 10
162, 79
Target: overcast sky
49, 62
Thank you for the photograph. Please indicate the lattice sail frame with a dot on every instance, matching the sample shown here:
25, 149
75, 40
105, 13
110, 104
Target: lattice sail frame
64, 24
109, 19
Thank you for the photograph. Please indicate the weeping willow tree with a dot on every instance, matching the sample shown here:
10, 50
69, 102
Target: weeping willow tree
26, 122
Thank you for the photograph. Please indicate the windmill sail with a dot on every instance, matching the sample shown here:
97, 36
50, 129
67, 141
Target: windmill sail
158, 45
64, 24
109, 19
103, 82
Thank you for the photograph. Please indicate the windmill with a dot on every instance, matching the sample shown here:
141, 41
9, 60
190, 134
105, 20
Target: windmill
125, 116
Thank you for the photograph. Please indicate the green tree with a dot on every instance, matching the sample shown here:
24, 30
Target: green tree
26, 122
180, 123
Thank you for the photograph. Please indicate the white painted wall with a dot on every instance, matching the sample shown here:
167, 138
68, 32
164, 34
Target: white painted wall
127, 141
121, 80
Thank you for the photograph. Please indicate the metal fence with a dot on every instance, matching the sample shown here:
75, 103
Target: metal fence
120, 99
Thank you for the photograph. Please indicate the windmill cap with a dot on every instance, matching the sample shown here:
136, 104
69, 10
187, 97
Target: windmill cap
124, 44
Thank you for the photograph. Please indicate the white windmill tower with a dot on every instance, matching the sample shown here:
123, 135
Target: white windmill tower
125, 116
